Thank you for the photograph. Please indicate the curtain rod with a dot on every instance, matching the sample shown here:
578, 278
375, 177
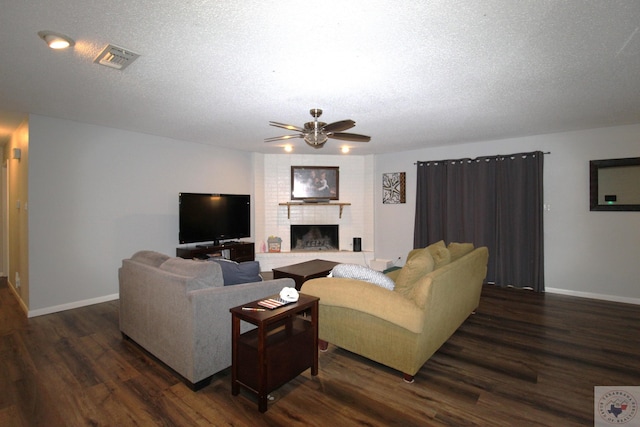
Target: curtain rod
481, 157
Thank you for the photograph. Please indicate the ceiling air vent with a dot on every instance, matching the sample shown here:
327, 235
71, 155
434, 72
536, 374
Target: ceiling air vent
116, 57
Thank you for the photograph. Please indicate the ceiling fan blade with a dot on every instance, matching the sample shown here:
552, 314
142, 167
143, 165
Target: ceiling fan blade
282, 138
349, 136
286, 126
339, 126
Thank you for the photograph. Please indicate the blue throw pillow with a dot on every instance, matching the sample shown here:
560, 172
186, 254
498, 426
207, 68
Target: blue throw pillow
235, 273
360, 272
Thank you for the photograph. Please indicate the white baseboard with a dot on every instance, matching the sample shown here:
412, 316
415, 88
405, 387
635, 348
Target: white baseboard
72, 305
14, 291
592, 295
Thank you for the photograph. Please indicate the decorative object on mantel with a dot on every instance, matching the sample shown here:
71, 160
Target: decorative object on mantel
274, 243
316, 133
315, 183
394, 188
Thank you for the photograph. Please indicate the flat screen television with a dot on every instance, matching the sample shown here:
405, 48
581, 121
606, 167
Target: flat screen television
213, 217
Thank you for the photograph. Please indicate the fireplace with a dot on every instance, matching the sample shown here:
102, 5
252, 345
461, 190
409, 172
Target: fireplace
314, 238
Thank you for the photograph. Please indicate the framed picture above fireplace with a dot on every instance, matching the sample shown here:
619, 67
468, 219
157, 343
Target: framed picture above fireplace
315, 183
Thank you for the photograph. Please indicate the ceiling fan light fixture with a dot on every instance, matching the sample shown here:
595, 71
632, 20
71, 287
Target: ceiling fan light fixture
316, 133
56, 40
316, 139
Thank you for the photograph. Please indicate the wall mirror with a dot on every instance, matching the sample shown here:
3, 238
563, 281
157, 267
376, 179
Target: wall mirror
615, 184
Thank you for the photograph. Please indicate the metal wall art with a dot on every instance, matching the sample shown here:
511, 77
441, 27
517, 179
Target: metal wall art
394, 188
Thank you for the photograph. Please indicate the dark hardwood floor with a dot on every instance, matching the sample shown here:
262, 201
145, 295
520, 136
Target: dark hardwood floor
524, 359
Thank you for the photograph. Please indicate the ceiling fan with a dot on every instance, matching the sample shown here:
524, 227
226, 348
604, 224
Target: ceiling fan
316, 133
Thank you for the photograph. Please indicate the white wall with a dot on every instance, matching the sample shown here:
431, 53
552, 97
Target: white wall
98, 194
592, 254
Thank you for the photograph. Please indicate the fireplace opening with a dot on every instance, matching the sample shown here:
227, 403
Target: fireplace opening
314, 238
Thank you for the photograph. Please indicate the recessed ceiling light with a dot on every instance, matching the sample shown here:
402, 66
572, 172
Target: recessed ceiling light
345, 149
288, 148
56, 40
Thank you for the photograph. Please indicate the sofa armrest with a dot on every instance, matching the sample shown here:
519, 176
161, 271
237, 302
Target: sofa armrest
367, 298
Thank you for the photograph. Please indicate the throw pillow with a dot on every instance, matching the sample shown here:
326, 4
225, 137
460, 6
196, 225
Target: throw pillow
458, 250
413, 253
440, 254
360, 272
235, 273
420, 264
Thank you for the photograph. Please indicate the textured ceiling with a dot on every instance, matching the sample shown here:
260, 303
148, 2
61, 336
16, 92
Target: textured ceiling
411, 74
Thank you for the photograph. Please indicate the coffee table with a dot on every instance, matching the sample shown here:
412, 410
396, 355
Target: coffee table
304, 271
284, 344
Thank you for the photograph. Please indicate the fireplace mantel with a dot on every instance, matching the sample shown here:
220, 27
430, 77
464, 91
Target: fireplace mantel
289, 204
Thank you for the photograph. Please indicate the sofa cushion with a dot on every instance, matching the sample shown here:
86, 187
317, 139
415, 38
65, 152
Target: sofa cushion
458, 250
420, 291
420, 264
151, 258
235, 273
360, 272
440, 254
204, 274
413, 253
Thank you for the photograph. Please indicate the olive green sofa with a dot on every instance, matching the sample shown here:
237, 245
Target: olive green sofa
435, 291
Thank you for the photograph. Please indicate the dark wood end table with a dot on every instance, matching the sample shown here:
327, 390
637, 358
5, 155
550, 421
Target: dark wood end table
284, 344
304, 271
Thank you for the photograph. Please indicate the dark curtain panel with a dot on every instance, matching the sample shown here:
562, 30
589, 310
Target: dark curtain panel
489, 201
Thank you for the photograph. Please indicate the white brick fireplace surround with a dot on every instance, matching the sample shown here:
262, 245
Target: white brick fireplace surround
273, 186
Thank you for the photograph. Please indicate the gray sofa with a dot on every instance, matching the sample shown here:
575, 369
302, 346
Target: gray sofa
178, 310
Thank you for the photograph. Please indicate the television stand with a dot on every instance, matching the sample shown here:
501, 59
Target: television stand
210, 245
237, 251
